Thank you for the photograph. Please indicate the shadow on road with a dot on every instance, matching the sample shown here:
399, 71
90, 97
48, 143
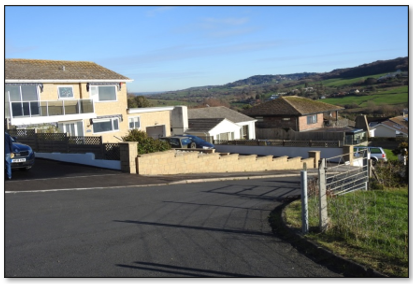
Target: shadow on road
179, 270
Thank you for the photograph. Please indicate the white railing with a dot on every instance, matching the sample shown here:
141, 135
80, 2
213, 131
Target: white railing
50, 108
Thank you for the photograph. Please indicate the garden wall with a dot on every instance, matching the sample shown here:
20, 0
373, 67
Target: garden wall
180, 162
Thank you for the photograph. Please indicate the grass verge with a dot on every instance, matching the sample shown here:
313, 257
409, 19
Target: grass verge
366, 227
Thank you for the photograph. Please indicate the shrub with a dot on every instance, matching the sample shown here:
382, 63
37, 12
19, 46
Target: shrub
391, 174
146, 144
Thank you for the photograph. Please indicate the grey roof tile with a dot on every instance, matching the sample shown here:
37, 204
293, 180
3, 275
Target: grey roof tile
30, 69
218, 112
293, 105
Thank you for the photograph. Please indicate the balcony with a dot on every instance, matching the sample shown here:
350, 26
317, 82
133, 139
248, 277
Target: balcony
30, 112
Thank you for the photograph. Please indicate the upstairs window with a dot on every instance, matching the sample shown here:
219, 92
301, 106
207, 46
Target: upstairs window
103, 93
312, 119
65, 92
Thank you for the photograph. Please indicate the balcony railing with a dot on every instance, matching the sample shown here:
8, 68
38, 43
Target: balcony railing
50, 108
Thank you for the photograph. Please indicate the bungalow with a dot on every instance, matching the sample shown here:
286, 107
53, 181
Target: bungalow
229, 124
297, 113
393, 127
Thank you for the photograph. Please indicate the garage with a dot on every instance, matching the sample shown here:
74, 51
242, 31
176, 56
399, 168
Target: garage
156, 131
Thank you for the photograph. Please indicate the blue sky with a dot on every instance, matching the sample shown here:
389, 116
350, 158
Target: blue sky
166, 48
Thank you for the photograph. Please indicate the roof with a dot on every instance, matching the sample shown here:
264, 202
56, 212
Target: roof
394, 126
218, 112
35, 70
401, 120
292, 105
203, 124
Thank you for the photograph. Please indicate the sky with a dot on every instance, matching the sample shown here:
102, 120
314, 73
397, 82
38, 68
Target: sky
168, 48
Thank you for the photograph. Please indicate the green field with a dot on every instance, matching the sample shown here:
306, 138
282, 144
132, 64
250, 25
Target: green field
348, 82
368, 227
394, 96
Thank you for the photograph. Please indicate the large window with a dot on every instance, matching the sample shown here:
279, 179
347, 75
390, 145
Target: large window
103, 93
312, 119
23, 98
105, 125
65, 92
134, 122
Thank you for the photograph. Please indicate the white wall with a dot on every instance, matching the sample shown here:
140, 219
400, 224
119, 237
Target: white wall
279, 151
85, 159
383, 131
224, 127
251, 128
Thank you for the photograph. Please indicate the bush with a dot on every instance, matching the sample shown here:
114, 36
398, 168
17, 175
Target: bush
146, 144
391, 174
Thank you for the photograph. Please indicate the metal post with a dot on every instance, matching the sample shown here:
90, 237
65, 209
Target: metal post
304, 200
322, 195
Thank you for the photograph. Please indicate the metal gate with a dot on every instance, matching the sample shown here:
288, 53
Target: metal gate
345, 173
340, 175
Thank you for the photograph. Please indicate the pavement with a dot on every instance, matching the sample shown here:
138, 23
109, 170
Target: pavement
49, 175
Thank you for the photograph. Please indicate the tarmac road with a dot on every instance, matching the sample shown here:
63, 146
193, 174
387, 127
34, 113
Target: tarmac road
214, 229
66, 220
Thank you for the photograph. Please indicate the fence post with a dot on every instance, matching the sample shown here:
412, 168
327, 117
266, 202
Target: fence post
322, 195
128, 154
102, 147
304, 200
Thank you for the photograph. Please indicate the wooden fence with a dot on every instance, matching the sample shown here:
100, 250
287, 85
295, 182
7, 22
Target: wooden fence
63, 143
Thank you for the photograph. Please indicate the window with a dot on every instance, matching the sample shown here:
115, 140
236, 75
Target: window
103, 93
311, 119
134, 122
65, 92
73, 128
244, 132
23, 98
105, 125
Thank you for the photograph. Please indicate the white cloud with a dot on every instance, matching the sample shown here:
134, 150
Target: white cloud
156, 11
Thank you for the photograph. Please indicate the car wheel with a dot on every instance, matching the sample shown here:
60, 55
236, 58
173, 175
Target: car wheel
373, 162
192, 145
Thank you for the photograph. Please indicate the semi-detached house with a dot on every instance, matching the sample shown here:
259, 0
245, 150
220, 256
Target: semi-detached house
79, 97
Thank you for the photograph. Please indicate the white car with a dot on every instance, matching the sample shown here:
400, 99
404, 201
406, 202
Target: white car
375, 153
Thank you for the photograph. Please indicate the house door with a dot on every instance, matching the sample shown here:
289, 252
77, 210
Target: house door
73, 128
156, 131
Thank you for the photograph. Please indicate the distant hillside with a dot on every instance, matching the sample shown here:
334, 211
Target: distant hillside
269, 79
255, 89
377, 67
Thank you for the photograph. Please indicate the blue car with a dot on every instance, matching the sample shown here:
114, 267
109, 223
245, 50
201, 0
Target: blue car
23, 156
197, 142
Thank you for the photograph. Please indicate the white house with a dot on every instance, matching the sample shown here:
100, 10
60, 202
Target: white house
236, 126
393, 127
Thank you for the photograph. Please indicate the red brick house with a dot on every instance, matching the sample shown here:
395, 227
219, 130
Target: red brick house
297, 113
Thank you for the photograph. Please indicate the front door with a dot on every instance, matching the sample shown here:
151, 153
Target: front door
73, 128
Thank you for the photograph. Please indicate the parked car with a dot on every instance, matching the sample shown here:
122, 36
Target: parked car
197, 142
375, 153
177, 141
23, 156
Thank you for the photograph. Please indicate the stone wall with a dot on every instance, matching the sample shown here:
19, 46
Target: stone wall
182, 162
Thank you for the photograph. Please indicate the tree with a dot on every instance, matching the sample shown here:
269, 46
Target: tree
138, 101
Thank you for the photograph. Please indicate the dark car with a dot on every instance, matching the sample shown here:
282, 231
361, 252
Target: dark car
197, 142
23, 156
177, 141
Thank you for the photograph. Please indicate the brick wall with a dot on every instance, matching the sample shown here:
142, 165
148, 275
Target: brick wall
302, 123
178, 162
